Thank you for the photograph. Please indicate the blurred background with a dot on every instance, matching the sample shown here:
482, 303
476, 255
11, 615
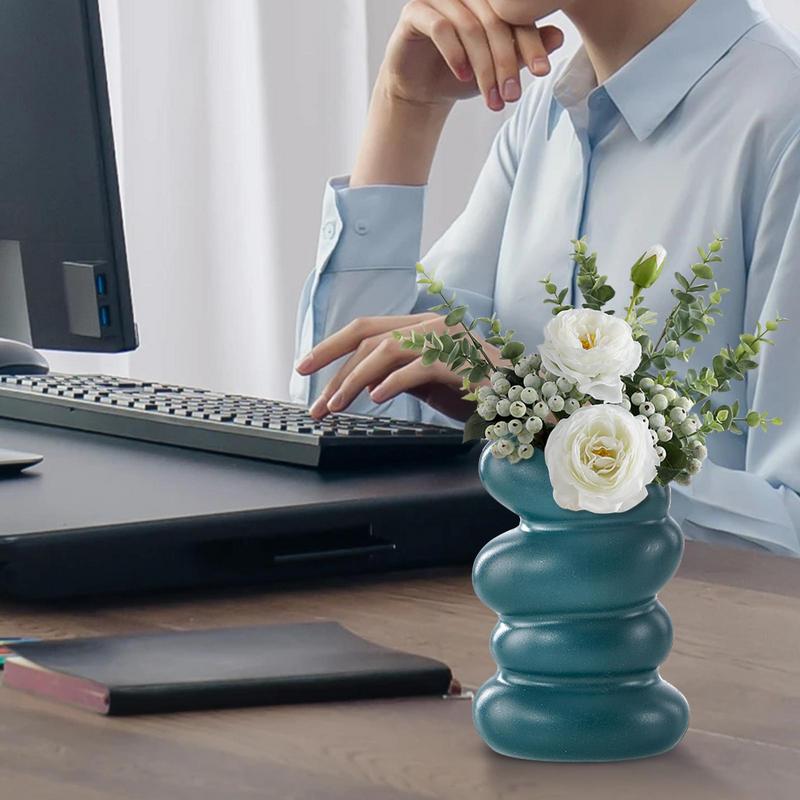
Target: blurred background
229, 116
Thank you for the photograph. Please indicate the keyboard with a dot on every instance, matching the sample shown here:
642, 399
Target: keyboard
221, 423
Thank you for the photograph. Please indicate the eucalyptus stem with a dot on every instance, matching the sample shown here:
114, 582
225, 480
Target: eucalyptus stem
476, 342
630, 317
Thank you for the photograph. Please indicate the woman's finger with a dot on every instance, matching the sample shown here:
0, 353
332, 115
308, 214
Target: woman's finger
440, 30
503, 48
350, 336
473, 37
535, 45
411, 377
362, 351
385, 358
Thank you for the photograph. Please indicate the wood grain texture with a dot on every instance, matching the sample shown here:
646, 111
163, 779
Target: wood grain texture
737, 623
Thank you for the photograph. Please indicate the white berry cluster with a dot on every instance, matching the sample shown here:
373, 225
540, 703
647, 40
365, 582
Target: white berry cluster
668, 416
524, 402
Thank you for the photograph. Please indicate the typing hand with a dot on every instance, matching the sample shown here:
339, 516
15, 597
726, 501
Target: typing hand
379, 364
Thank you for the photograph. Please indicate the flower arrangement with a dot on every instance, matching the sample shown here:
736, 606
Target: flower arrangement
600, 396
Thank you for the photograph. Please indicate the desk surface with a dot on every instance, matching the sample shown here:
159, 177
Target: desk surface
737, 624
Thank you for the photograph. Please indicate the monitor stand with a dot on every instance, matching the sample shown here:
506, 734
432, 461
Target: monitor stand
15, 326
14, 320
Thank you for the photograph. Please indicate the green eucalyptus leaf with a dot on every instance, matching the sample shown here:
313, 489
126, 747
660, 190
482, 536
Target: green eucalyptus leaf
474, 428
455, 316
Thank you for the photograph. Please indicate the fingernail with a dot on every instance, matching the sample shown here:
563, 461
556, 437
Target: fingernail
511, 90
336, 402
541, 66
317, 407
305, 363
495, 101
377, 395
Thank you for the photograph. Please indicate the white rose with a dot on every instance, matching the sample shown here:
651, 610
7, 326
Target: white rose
593, 350
601, 459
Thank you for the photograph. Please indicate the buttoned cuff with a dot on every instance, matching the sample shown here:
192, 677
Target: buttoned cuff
369, 227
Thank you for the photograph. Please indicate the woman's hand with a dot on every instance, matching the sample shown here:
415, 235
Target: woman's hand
446, 50
378, 363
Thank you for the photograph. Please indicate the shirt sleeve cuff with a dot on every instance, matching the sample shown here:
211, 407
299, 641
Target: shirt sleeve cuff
370, 227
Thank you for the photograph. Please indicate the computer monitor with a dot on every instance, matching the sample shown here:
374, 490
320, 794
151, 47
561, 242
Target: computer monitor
63, 270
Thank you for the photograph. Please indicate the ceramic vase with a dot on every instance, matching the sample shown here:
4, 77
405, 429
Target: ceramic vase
580, 633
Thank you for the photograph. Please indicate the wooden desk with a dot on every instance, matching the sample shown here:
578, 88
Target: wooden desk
736, 657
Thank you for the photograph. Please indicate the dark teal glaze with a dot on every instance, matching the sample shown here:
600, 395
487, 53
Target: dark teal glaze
580, 633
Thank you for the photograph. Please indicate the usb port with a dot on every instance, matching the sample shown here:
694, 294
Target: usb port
105, 316
100, 282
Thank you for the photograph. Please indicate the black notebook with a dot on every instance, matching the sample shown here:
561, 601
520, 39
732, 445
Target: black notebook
220, 668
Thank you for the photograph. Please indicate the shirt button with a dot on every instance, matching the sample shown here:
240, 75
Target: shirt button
361, 227
328, 229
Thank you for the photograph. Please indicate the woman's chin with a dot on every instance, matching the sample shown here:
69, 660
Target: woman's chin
524, 12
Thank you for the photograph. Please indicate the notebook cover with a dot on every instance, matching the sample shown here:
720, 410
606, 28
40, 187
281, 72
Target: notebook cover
229, 667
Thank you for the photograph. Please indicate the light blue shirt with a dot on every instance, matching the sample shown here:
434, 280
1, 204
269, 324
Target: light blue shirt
698, 134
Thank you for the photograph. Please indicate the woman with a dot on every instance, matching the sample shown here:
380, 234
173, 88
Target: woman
674, 121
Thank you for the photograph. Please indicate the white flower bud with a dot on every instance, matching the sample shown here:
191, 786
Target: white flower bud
501, 428
541, 410
646, 384
571, 405
532, 381
489, 433
484, 392
524, 437
626, 403
496, 376
664, 434
549, 389
536, 361
518, 409
491, 400
514, 458
695, 465
514, 392
637, 398
503, 407
525, 451
688, 427
683, 479
656, 388
660, 402
643, 419
661, 453
501, 385
502, 448
565, 385
486, 412
700, 451
648, 409
670, 394
515, 426
529, 396
657, 421
521, 368
686, 404
556, 403
677, 415
653, 436
534, 425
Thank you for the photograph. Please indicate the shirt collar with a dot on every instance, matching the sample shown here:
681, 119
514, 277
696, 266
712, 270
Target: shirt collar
649, 87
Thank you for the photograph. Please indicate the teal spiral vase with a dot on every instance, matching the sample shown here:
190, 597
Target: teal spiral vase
580, 634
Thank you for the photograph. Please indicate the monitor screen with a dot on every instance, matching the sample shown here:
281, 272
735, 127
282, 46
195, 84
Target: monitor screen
63, 271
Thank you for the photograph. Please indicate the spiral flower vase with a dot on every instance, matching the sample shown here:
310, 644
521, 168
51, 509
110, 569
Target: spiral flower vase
580, 633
